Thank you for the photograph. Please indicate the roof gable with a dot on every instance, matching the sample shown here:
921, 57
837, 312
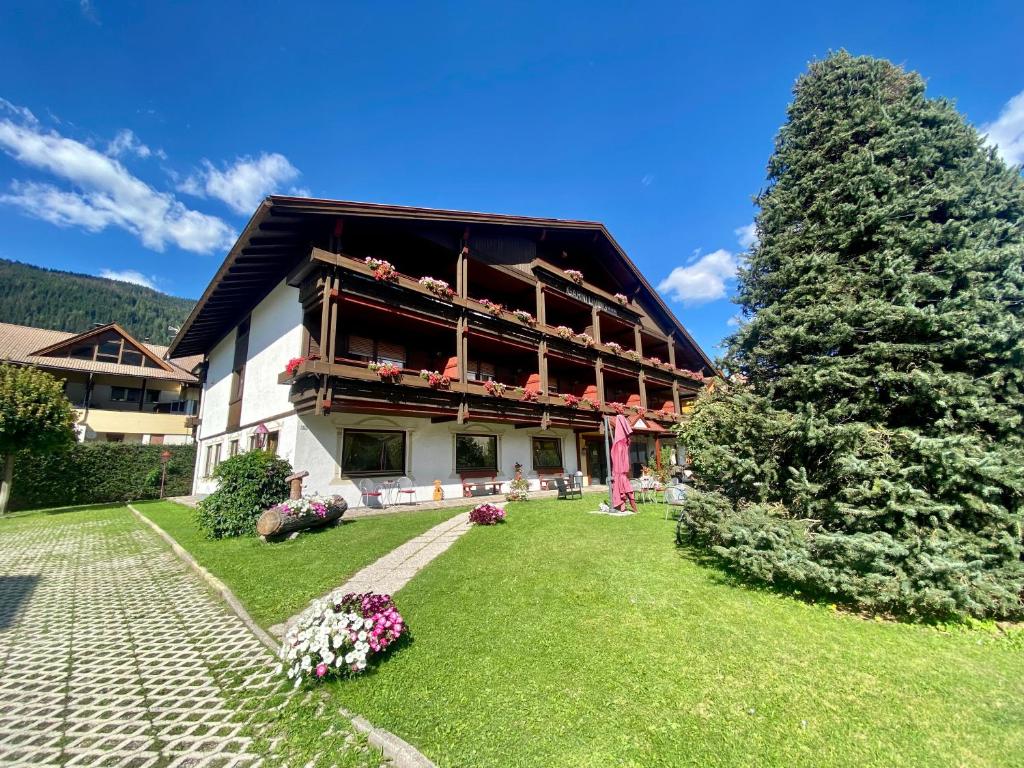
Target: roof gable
127, 346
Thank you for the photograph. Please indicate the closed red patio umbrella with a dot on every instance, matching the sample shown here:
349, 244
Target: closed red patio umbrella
622, 490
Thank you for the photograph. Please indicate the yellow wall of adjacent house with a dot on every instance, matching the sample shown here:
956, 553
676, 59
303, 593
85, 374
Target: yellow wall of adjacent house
134, 422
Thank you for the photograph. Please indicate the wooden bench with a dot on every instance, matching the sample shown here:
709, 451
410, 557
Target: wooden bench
485, 480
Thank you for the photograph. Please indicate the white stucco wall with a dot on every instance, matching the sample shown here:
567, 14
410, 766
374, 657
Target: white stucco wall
213, 406
275, 337
430, 452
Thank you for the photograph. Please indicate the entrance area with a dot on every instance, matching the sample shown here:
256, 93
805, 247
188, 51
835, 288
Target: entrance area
597, 464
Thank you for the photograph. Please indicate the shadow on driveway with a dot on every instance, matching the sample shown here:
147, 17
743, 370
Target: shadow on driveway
14, 592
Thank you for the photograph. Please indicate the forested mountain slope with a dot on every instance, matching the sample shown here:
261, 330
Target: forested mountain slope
67, 301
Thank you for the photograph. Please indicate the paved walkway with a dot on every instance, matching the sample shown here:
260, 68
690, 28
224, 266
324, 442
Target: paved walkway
394, 570
113, 653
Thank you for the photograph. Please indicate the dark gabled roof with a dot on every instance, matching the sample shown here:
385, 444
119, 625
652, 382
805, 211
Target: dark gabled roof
279, 234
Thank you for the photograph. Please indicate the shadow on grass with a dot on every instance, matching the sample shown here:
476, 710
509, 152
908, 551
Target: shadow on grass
14, 593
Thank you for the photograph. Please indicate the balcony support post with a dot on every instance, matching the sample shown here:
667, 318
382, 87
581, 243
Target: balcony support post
638, 342
642, 382
541, 314
542, 366
599, 379
595, 322
672, 349
328, 338
675, 396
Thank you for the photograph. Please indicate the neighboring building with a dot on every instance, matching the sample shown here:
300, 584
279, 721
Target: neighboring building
122, 390
298, 284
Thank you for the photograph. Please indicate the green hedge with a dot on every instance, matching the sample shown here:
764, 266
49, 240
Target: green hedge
94, 473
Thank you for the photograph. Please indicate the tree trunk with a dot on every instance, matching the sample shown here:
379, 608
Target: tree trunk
6, 482
273, 524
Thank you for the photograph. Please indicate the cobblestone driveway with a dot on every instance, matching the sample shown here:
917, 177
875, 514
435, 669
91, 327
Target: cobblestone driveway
112, 653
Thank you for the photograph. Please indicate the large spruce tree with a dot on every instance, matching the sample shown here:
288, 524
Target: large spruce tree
871, 448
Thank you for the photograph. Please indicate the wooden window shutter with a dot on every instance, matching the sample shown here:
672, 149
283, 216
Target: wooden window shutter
360, 346
391, 353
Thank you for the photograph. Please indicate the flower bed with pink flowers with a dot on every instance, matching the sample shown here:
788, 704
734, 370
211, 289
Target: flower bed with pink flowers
487, 514
339, 635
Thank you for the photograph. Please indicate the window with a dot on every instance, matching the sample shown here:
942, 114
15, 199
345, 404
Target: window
82, 353
212, 459
547, 453
115, 437
241, 355
272, 442
125, 394
232, 448
152, 395
372, 453
476, 452
131, 356
364, 348
109, 351
479, 371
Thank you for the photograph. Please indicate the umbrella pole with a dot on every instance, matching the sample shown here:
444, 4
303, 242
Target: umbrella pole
608, 456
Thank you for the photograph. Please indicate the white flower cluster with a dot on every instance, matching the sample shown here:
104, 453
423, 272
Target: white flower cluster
313, 505
324, 638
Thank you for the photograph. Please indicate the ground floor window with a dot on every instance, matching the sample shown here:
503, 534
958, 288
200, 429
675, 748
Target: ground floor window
212, 459
232, 448
373, 452
476, 452
547, 453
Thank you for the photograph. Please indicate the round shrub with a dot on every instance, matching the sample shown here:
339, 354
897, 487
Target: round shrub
247, 484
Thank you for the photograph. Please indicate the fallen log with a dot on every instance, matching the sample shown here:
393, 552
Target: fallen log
272, 524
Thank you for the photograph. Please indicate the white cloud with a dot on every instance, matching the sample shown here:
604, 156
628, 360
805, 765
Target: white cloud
1007, 132
129, 276
701, 281
126, 142
22, 113
734, 321
245, 183
746, 236
103, 193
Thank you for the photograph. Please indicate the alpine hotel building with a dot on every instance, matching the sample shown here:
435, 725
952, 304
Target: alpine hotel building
365, 343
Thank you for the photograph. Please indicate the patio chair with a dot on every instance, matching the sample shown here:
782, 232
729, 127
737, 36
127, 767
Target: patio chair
647, 489
406, 490
674, 496
370, 490
568, 487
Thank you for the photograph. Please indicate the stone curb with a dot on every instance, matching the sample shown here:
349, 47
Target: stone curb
395, 749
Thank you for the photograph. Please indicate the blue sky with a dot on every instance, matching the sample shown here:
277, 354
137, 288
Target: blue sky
136, 139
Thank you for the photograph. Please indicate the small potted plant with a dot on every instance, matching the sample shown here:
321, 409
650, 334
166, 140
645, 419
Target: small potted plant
585, 339
575, 275
383, 271
633, 355
524, 317
435, 379
565, 332
492, 306
494, 388
614, 346
439, 288
621, 298
519, 487
387, 371
572, 401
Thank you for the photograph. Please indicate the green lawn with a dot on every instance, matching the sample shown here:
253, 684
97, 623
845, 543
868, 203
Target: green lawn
567, 639
275, 581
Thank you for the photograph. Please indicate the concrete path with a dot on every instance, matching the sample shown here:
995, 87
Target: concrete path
113, 653
396, 569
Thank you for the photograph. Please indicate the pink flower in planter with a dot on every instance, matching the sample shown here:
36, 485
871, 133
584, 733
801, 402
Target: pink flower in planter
321, 669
